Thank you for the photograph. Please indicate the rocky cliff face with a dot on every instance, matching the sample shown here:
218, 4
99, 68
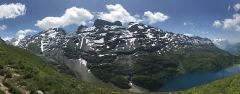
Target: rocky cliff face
124, 55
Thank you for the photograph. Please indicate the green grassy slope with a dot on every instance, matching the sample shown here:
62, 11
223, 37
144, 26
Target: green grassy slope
24, 72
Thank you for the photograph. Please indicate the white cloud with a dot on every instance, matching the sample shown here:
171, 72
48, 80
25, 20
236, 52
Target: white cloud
190, 35
232, 23
221, 43
21, 34
3, 27
188, 24
217, 23
7, 38
219, 39
184, 23
74, 15
155, 17
237, 7
12, 10
229, 8
117, 13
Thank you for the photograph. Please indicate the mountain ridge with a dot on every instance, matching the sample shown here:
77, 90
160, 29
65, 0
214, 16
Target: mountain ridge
129, 55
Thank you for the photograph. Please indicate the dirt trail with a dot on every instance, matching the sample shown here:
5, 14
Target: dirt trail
3, 87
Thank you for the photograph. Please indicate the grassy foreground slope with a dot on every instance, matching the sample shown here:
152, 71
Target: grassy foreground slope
22, 72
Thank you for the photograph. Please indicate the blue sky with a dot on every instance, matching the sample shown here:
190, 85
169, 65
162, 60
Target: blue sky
184, 16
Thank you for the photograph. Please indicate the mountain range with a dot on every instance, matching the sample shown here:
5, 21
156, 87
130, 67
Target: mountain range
126, 55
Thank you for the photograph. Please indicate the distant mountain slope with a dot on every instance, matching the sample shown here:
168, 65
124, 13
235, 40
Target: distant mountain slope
221, 43
234, 49
23, 73
136, 54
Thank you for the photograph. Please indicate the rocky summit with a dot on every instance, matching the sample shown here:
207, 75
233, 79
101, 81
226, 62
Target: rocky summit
127, 55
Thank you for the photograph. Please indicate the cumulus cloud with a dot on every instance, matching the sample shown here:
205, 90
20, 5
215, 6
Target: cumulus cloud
12, 10
237, 7
188, 24
22, 34
3, 27
7, 38
81, 16
221, 43
229, 8
184, 23
155, 17
217, 23
190, 35
116, 13
232, 23
74, 15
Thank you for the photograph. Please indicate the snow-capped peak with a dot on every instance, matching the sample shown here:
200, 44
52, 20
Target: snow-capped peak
112, 37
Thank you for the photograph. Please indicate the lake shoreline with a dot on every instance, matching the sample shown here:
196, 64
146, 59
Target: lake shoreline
191, 80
